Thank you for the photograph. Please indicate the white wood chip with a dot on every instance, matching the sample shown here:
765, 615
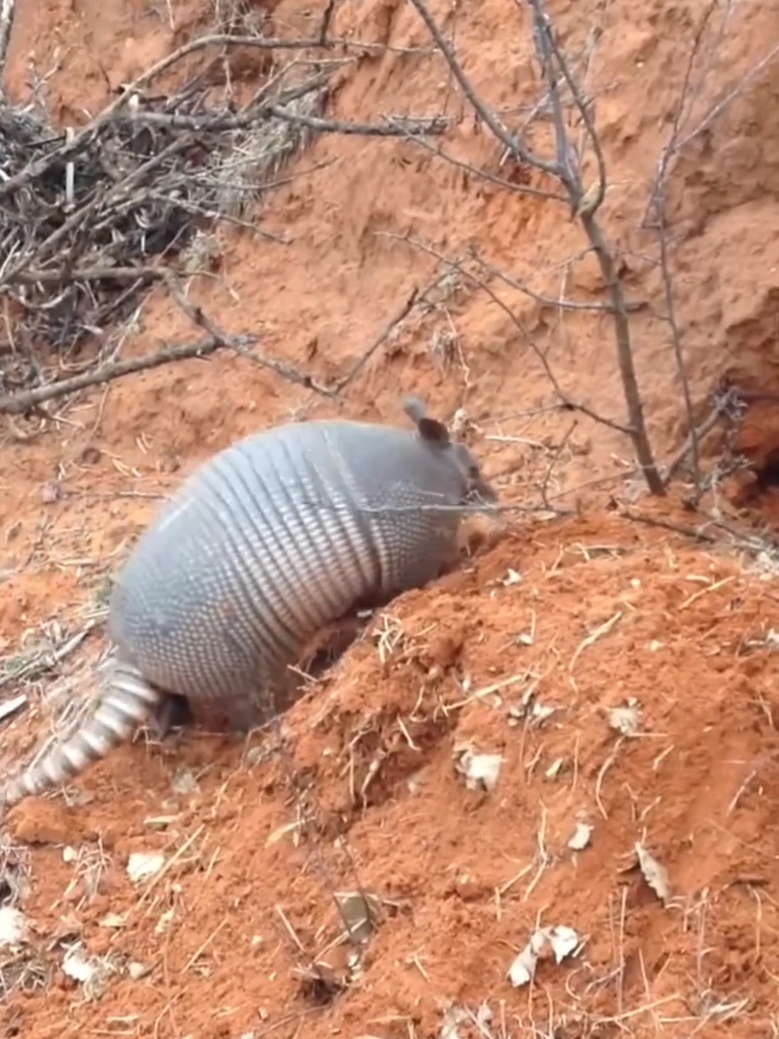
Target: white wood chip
479, 770
654, 874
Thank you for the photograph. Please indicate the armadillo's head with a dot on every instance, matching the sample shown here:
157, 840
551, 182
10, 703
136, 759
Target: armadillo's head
463, 465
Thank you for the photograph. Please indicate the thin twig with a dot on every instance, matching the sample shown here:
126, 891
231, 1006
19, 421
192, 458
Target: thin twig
676, 336
490, 178
44, 660
676, 141
63, 275
402, 312
326, 19
284, 371
240, 344
558, 450
486, 114
658, 205
70, 147
549, 301
671, 146
697, 534
7, 11
395, 126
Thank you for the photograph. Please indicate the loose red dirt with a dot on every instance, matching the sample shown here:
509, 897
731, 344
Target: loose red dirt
548, 625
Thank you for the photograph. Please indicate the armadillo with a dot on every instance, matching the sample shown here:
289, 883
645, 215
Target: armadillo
261, 547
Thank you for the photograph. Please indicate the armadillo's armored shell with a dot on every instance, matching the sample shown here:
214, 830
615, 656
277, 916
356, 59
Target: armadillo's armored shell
272, 539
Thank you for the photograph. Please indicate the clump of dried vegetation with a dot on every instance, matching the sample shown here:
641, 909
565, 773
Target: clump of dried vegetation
85, 220
89, 218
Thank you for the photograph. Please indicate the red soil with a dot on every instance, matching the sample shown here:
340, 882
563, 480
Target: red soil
365, 793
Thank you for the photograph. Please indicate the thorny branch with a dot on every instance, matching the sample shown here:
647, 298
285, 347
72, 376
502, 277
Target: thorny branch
658, 206
131, 94
31, 400
549, 301
565, 169
586, 206
711, 531
681, 134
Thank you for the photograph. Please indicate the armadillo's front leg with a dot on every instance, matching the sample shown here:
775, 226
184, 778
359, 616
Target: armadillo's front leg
172, 712
278, 692
244, 714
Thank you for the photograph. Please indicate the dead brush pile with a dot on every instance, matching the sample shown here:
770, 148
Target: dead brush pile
89, 218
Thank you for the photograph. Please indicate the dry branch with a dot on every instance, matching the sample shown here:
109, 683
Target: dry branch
549, 301
695, 533
395, 126
658, 206
7, 10
21, 402
586, 205
402, 312
18, 403
564, 168
74, 236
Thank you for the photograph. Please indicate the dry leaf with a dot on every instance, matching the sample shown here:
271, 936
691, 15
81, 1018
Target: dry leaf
90, 972
479, 770
560, 940
143, 864
282, 831
564, 941
523, 967
624, 719
358, 915
78, 966
554, 768
138, 970
113, 920
539, 713
14, 927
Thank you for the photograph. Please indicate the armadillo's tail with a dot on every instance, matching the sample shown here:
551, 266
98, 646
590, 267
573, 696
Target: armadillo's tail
128, 702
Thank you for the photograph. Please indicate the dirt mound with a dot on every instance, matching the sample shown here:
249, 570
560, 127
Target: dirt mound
625, 682
617, 673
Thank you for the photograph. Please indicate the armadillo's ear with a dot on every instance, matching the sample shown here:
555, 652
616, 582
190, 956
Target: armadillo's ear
430, 429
